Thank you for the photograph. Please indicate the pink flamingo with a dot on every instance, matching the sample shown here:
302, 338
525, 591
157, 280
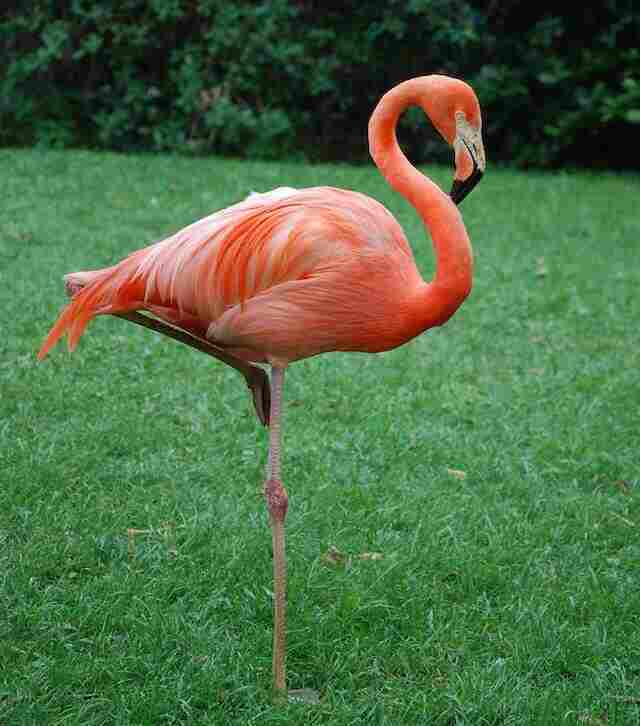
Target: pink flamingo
289, 274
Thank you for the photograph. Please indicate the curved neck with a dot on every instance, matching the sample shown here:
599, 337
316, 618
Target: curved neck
454, 261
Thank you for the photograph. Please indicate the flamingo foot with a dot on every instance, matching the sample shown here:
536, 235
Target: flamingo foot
258, 383
308, 696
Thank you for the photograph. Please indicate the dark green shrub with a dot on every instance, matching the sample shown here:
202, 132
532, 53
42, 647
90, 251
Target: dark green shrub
275, 78
566, 87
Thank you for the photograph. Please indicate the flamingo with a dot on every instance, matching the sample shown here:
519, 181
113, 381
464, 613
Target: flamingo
290, 274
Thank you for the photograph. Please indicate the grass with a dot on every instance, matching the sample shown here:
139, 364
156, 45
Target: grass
506, 594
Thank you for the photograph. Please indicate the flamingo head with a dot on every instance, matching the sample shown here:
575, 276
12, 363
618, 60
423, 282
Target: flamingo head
453, 108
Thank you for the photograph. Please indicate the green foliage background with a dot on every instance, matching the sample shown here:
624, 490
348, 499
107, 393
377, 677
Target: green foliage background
276, 78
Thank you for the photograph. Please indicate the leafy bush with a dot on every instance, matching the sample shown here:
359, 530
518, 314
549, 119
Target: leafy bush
272, 78
567, 87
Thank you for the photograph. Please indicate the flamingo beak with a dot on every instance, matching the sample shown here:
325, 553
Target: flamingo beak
462, 187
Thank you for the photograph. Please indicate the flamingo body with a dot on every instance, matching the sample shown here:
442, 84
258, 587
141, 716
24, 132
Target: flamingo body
279, 277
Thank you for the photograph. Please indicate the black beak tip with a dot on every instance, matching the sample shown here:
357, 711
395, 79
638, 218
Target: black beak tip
460, 189
457, 192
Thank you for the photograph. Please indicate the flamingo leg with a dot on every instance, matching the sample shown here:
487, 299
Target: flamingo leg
277, 502
255, 376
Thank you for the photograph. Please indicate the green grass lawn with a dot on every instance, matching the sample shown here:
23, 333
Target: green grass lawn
493, 464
